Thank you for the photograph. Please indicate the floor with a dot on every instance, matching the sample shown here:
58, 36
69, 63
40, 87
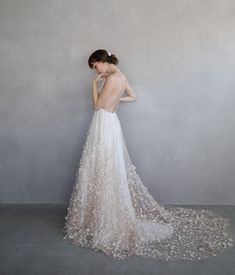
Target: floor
31, 243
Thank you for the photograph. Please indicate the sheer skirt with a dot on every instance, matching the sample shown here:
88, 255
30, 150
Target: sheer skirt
110, 210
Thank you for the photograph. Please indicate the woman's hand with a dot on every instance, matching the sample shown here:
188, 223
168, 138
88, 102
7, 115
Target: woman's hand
100, 76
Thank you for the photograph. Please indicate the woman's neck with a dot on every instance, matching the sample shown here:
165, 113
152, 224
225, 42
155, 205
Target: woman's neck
112, 69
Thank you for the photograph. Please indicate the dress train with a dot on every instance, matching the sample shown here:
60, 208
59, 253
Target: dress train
110, 210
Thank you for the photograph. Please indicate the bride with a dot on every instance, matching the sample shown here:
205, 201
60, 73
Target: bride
110, 210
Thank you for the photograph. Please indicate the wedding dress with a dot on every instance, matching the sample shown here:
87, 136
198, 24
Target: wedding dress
110, 210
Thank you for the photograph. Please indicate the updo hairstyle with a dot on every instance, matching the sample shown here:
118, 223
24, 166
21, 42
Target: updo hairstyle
102, 55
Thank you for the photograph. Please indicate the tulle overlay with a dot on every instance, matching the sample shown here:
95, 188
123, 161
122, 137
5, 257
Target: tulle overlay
110, 210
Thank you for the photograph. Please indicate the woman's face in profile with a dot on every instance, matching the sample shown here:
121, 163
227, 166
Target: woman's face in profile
99, 67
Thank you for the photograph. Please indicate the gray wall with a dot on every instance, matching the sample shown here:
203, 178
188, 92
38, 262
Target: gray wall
179, 56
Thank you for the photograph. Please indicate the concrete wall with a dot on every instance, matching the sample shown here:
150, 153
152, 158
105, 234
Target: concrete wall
179, 56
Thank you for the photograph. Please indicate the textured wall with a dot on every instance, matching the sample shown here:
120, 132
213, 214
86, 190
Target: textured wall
179, 56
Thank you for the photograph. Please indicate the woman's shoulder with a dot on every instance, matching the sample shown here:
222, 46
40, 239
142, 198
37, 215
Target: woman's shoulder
117, 79
117, 76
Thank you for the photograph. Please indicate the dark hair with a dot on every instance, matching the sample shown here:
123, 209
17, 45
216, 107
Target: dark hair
103, 56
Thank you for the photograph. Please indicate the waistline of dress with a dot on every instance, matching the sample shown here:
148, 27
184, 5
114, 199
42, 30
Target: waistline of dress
101, 109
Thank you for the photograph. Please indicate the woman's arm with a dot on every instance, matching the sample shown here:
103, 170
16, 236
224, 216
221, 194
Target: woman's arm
100, 98
94, 93
130, 94
126, 98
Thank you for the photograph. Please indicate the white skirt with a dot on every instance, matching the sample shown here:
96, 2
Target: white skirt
110, 210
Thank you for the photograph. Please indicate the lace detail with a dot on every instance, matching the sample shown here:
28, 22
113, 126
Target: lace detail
110, 210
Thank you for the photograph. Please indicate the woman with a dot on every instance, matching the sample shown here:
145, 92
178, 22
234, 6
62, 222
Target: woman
115, 85
110, 210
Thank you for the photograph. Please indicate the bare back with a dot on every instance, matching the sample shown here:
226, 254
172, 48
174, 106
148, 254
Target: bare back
118, 91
